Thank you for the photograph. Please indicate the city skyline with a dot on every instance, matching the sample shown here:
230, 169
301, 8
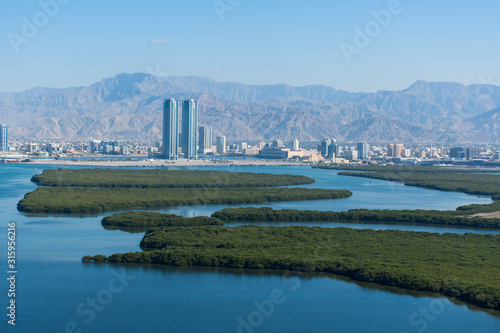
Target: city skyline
328, 151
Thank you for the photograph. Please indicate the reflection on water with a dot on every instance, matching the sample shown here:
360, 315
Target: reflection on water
304, 276
53, 282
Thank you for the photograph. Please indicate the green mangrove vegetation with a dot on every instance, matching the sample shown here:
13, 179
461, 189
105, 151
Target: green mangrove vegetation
425, 217
462, 266
470, 183
100, 190
96, 258
95, 200
160, 178
153, 220
465, 267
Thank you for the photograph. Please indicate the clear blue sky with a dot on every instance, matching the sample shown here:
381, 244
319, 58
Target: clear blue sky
257, 42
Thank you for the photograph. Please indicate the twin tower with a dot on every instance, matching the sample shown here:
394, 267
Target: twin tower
189, 124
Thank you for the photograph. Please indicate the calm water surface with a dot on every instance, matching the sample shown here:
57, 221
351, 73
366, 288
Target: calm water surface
53, 287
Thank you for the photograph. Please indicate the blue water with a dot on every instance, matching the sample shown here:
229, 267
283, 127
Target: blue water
53, 286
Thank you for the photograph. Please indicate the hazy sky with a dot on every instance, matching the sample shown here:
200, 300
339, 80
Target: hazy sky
338, 43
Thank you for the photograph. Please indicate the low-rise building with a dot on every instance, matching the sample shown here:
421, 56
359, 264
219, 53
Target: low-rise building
275, 153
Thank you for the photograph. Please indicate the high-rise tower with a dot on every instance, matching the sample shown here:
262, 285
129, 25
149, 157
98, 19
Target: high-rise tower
3, 138
221, 145
189, 134
205, 137
363, 149
170, 128
325, 143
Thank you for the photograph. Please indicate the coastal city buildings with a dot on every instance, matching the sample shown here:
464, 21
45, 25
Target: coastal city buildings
329, 148
309, 152
468, 153
194, 140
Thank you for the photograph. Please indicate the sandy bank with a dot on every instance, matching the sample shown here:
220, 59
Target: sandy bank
490, 215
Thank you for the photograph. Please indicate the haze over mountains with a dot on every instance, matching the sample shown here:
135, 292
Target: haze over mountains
129, 106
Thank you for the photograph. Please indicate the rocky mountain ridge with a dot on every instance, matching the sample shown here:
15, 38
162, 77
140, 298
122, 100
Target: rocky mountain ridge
129, 106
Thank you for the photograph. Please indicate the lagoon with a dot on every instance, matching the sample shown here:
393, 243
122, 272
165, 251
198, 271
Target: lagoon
53, 283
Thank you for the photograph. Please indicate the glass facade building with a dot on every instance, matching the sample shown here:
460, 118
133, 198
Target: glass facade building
3, 138
189, 136
363, 149
205, 137
170, 129
221, 145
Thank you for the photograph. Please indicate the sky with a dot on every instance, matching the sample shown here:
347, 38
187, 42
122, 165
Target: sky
362, 45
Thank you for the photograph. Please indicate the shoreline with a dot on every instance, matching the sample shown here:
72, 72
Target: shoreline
419, 269
163, 163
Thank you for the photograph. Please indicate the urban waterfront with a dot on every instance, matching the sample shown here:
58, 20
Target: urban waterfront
54, 286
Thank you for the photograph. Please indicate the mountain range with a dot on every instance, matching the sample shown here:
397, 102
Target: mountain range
129, 106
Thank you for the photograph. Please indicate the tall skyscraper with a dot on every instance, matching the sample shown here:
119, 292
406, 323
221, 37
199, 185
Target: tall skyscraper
352, 155
395, 150
333, 150
170, 129
277, 144
94, 146
3, 138
221, 145
296, 145
398, 150
363, 149
390, 149
325, 144
205, 137
471, 153
457, 152
189, 128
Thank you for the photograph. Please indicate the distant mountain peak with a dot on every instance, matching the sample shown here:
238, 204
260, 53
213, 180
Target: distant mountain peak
129, 105
421, 85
